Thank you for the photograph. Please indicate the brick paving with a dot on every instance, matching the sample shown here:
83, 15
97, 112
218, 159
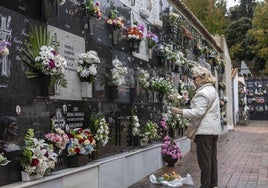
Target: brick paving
242, 159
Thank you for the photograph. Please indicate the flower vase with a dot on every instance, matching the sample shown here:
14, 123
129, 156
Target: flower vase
134, 45
150, 53
170, 162
28, 177
49, 9
78, 160
116, 36
45, 88
161, 97
95, 154
86, 89
112, 92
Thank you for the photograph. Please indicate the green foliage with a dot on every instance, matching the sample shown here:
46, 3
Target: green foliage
94, 121
27, 154
28, 139
211, 14
39, 36
259, 34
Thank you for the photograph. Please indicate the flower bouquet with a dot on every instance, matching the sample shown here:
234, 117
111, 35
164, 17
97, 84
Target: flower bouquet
38, 158
143, 78
4, 51
80, 146
115, 20
152, 39
87, 68
58, 138
170, 151
100, 128
150, 132
3, 160
135, 35
92, 9
43, 58
81, 142
162, 85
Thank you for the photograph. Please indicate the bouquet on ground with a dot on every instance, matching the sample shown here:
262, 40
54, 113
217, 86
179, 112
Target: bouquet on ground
87, 68
100, 128
43, 58
115, 20
38, 157
58, 138
81, 142
170, 150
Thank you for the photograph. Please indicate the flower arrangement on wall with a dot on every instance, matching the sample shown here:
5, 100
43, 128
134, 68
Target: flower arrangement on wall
100, 128
3, 160
58, 138
37, 157
43, 58
92, 9
134, 124
4, 51
173, 17
118, 73
150, 131
143, 78
152, 39
169, 55
87, 68
81, 142
115, 20
162, 85
135, 32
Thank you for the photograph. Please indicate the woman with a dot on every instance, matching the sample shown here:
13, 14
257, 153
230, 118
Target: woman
205, 114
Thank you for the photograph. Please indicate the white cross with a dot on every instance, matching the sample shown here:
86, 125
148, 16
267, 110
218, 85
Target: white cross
5, 34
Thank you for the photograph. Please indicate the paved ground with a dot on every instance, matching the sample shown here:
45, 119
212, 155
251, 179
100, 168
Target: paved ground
242, 159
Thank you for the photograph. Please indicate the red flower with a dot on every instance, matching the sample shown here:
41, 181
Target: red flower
77, 150
81, 141
34, 162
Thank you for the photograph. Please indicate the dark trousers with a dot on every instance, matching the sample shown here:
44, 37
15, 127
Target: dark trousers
206, 147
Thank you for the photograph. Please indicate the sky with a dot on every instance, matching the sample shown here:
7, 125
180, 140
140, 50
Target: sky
231, 3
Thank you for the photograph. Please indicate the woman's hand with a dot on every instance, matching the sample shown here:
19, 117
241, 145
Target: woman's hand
175, 110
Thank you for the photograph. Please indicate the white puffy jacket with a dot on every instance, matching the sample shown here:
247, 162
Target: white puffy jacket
205, 111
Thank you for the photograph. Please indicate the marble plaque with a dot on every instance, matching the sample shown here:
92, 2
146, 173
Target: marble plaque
70, 46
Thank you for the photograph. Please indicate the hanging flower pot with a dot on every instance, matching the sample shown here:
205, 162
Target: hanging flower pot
116, 36
86, 89
150, 53
45, 88
134, 45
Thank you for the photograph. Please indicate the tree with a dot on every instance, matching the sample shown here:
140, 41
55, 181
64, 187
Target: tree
245, 9
259, 32
211, 13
